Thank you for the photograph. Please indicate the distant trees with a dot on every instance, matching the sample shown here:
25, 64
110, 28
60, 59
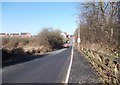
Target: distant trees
100, 24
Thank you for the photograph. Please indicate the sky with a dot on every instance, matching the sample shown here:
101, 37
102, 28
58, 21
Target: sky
34, 16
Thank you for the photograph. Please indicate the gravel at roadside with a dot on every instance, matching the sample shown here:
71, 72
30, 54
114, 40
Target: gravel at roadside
82, 71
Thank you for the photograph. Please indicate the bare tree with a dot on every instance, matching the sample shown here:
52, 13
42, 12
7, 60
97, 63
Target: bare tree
100, 24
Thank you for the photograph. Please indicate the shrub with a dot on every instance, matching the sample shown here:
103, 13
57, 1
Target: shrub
51, 38
6, 54
14, 42
5, 40
12, 54
42, 37
55, 39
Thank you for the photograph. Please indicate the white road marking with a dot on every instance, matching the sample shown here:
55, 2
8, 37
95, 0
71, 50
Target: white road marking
69, 68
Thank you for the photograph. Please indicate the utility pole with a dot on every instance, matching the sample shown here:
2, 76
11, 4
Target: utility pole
78, 39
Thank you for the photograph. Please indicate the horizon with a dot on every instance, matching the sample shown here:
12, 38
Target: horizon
25, 32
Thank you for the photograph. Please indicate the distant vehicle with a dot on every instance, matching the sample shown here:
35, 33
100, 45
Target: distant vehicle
66, 45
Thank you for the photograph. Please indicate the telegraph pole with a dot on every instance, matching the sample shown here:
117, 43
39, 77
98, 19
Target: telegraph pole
78, 39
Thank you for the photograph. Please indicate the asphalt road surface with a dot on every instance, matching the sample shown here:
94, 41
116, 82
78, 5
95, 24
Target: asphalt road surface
51, 68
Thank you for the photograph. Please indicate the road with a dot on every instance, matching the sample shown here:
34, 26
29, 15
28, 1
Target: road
51, 68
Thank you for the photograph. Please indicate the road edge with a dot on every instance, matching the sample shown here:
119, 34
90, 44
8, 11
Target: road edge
69, 68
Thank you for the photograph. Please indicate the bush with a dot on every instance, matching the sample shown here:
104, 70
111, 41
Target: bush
42, 37
13, 42
6, 54
55, 39
51, 38
15, 53
5, 40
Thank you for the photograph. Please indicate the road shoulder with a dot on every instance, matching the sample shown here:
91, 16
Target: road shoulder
81, 70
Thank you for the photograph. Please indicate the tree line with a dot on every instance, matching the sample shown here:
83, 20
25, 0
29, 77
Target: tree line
99, 24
